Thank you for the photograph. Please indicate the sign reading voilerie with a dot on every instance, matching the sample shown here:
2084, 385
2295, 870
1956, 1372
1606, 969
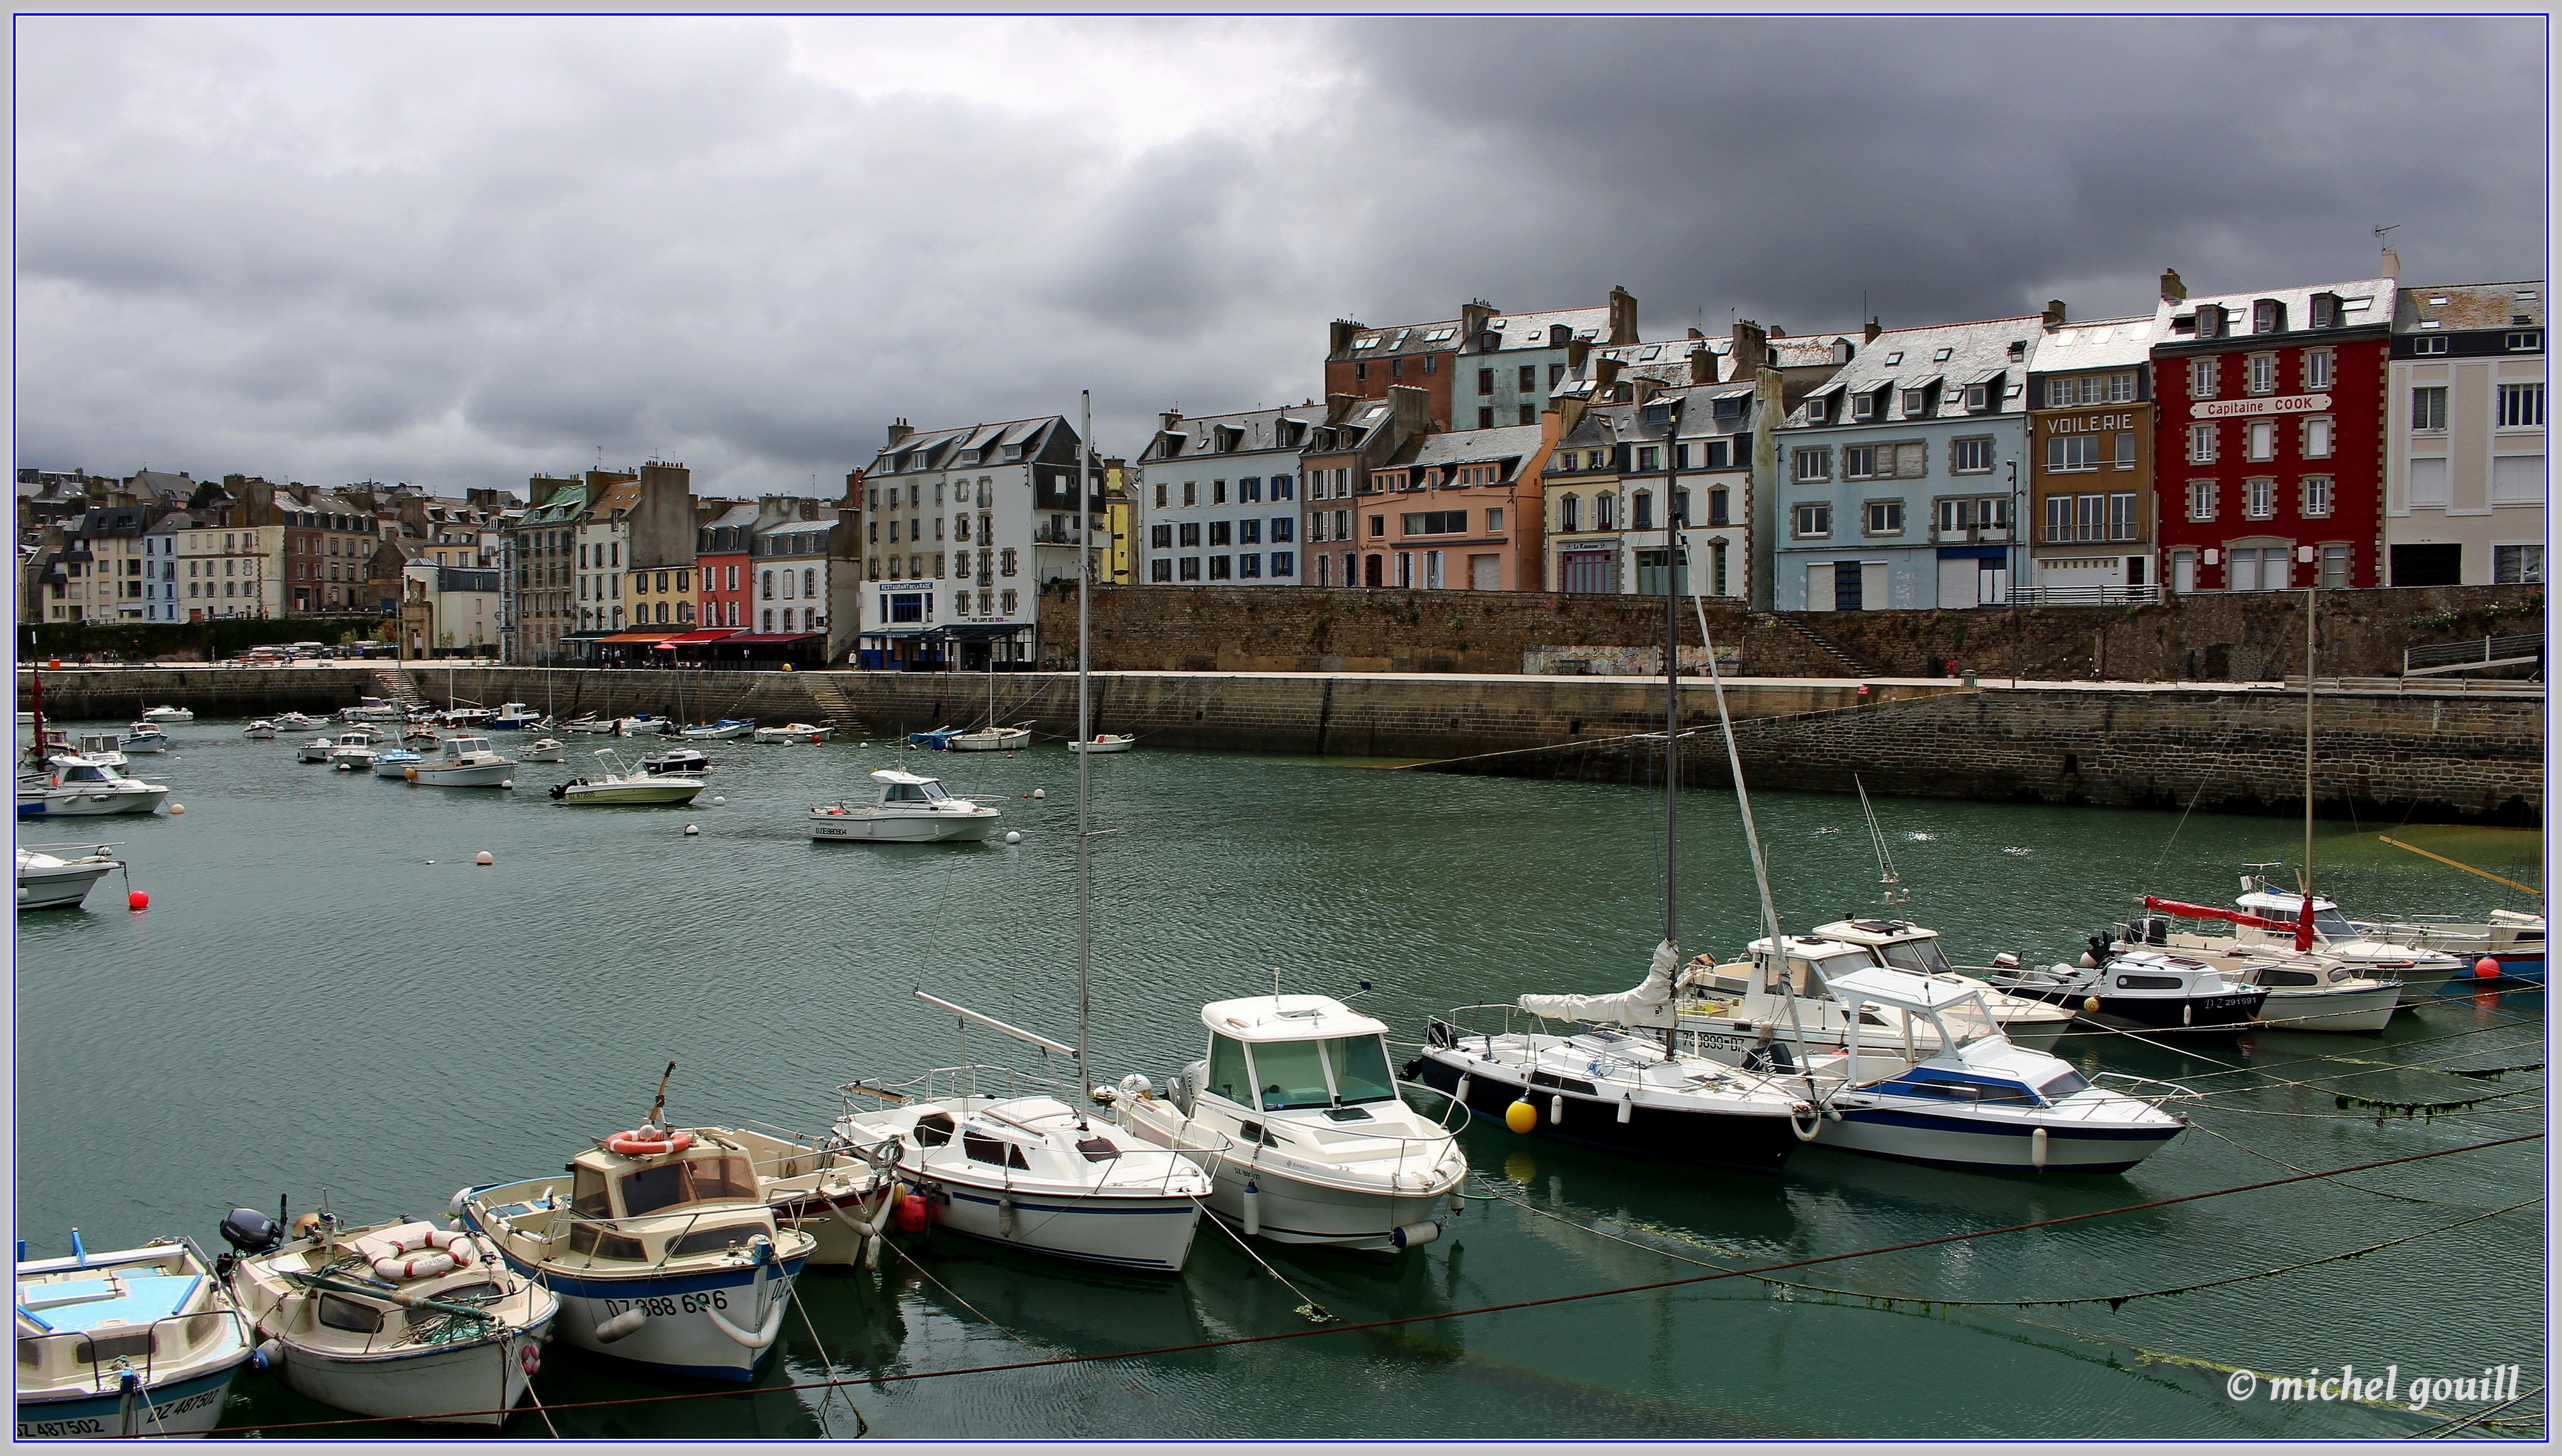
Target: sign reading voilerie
2267, 405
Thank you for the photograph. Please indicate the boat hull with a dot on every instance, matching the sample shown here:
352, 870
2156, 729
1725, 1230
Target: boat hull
1003, 742
716, 1325
938, 828
1151, 1232
1754, 1144
2156, 1012
2369, 1010
612, 794
1911, 1135
188, 1407
1106, 745
84, 804
471, 776
59, 889
436, 1386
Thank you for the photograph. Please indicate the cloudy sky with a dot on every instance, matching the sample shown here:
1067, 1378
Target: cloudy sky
459, 252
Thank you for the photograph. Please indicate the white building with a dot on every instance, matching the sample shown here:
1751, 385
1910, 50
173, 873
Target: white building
2465, 461
1218, 496
961, 528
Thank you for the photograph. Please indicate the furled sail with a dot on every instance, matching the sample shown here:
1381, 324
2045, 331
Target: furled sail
1627, 1008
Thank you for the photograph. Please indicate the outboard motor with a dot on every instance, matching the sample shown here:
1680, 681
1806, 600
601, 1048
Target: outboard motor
251, 1231
2099, 955
2152, 930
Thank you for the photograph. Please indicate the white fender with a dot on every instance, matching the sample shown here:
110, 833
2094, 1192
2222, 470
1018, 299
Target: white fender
608, 1331
762, 1338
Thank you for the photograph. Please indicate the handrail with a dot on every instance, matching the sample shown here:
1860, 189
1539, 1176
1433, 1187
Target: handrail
243, 1332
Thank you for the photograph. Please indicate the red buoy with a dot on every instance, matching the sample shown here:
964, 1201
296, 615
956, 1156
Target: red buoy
2487, 968
136, 900
910, 1215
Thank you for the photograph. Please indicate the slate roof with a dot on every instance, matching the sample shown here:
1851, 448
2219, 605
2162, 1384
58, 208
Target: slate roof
2364, 302
2470, 306
1198, 437
1475, 447
2100, 343
1952, 356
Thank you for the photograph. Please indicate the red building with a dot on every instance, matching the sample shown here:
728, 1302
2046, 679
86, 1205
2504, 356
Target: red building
721, 573
2268, 443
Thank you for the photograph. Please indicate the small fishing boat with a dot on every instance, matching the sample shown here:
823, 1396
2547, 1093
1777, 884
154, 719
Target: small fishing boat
2511, 940
622, 786
588, 723
1328, 1151
395, 763
678, 760
1024, 1169
135, 1343
1106, 743
76, 787
2143, 990
50, 882
399, 1320
167, 715
294, 721
640, 723
543, 751
661, 1244
2308, 991
725, 728
354, 750
316, 750
145, 737
465, 763
1900, 945
260, 728
374, 710
911, 809
467, 717
512, 717
793, 733
104, 747
932, 738
419, 734
991, 739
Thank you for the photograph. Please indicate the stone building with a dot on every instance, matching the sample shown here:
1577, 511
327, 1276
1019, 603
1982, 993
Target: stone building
1357, 435
2464, 467
1484, 368
2090, 506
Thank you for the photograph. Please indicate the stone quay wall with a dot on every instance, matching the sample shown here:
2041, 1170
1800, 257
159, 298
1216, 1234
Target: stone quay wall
2428, 754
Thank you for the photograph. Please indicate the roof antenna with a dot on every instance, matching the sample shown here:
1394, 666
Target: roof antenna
2387, 228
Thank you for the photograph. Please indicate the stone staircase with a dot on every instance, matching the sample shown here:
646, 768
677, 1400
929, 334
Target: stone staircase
834, 709
395, 684
1830, 651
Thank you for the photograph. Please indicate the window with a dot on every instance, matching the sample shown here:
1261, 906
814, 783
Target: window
1281, 487
1859, 461
2317, 496
1884, 518
1485, 381
2201, 500
2058, 518
1219, 568
1378, 526
1161, 569
2429, 408
2526, 343
1570, 512
1915, 401
1556, 371
2201, 445
1605, 512
1160, 505
1815, 465
1284, 563
2260, 439
1965, 457
2122, 516
1864, 405
1251, 489
1191, 493
2429, 344
1814, 518
2317, 441
2318, 369
1494, 522
766, 592
1249, 564
1218, 492
2259, 498
1161, 536
2261, 374
2513, 566
1006, 556
1529, 414
1436, 523
2514, 479
1486, 418
1191, 531
1818, 410
1218, 533
2201, 376
1282, 528
2521, 406
2072, 453
1528, 376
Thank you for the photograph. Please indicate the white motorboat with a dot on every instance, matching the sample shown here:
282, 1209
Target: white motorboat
2511, 940
104, 747
1717, 1010
76, 787
1980, 1101
589, 724
50, 882
836, 1191
260, 728
911, 809
145, 737
1106, 743
725, 728
354, 750
681, 759
1902, 945
1327, 1150
167, 715
622, 786
395, 763
2151, 992
793, 733
512, 717
2420, 968
467, 717
2308, 991
662, 1245
294, 721
316, 750
465, 763
399, 1320
640, 723
543, 751
135, 1343
991, 739
374, 710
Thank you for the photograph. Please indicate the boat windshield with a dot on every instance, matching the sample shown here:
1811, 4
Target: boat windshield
1967, 1022
2333, 925
1921, 956
1360, 1065
693, 1181
925, 792
2064, 1084
1228, 1075
1294, 1074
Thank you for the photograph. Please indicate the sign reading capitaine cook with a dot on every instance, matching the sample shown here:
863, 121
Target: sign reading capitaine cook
2265, 405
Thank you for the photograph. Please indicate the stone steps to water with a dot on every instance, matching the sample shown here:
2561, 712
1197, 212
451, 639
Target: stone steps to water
396, 686
834, 709
1851, 665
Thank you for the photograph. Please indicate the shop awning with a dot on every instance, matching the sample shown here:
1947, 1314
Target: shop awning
634, 637
685, 639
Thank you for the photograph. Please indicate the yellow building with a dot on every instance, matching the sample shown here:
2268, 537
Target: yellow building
1121, 513
662, 595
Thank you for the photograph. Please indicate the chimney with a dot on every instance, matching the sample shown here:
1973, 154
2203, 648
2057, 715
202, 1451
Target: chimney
1752, 352
2173, 289
1576, 351
1623, 317
2054, 314
1339, 336
1868, 334
1703, 364
1168, 420
1695, 333
1472, 320
2393, 264
899, 431
1605, 371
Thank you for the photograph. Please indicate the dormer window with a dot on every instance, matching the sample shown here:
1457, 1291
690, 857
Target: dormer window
1978, 398
2326, 310
1915, 400
1863, 406
2210, 321
2268, 316
1817, 411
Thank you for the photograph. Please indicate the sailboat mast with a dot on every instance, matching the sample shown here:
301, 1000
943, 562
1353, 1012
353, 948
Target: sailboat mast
2309, 590
1084, 733
1672, 685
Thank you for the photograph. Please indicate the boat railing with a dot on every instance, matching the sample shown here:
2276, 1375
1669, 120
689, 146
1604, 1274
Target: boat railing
109, 1353
1456, 1108
2170, 1090
567, 1220
827, 1147
1454, 1033
974, 1080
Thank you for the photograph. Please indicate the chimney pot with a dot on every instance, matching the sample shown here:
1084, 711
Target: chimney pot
2054, 314
898, 430
2392, 264
2173, 289
1869, 332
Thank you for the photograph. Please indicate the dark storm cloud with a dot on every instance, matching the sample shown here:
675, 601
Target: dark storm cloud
460, 250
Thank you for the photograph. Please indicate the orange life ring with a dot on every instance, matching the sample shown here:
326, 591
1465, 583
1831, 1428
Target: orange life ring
633, 1145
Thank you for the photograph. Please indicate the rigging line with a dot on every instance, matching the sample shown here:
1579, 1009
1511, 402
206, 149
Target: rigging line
2370, 1069
1400, 1320
1309, 1310
862, 1427
2448, 1429
2175, 828
2291, 1168
2112, 1301
2335, 1056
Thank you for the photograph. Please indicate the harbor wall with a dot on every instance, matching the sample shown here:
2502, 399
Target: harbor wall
2429, 754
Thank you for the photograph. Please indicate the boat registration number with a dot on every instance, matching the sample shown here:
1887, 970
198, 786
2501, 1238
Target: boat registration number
90, 1425
665, 1304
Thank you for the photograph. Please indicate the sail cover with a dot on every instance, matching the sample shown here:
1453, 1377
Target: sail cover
1627, 1008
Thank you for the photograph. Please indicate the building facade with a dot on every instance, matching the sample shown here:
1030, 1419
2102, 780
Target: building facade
961, 527
2465, 466
1483, 369
1684, 454
2270, 435
789, 566
1217, 497
1455, 511
1896, 467
722, 551
2091, 505
1355, 437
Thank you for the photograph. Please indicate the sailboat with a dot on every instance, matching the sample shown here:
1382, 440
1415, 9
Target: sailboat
1028, 1169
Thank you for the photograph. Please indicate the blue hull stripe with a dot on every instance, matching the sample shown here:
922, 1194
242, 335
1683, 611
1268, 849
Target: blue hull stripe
639, 1285
1175, 1211
1891, 1116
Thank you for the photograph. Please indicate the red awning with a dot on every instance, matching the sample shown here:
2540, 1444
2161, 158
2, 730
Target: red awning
763, 637
686, 637
631, 636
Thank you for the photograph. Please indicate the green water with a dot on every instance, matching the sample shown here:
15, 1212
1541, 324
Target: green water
311, 1003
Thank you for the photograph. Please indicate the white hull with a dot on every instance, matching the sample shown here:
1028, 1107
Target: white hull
391, 767
358, 761
474, 776
485, 1375
720, 1331
738, 732
631, 794
53, 889
1106, 745
902, 829
81, 804
793, 735
1126, 1231
1916, 1135
170, 715
1287, 1209
2365, 1010
1000, 740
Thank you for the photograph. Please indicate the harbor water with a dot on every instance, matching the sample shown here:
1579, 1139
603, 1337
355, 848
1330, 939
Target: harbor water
327, 996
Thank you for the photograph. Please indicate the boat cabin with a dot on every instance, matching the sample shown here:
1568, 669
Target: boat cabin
1896, 943
1975, 1063
1811, 964
1285, 1054
458, 749
69, 769
2328, 923
690, 1202
901, 786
